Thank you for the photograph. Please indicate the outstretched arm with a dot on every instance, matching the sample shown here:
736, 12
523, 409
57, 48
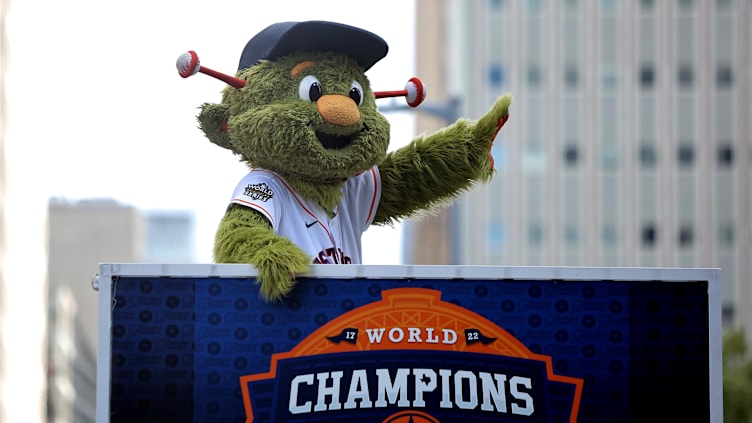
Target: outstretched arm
434, 169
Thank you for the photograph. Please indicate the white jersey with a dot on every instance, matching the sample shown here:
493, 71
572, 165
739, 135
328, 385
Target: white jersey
305, 223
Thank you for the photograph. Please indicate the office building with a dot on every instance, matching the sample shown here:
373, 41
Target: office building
83, 234
170, 236
629, 139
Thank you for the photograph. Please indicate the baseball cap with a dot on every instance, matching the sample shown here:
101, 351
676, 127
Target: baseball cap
284, 38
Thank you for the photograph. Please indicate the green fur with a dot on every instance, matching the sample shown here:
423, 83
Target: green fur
268, 125
245, 236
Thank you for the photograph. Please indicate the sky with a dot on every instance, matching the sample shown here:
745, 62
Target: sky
98, 110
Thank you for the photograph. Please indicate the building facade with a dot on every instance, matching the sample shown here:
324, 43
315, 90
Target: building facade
629, 139
83, 234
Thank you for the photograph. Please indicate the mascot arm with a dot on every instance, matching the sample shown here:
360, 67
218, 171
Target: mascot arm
245, 236
436, 168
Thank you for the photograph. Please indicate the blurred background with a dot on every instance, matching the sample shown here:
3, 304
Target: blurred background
629, 144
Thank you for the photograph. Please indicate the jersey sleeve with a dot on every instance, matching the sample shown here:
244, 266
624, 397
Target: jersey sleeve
259, 191
364, 191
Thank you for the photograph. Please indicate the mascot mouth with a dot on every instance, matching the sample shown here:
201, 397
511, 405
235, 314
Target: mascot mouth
334, 142
337, 142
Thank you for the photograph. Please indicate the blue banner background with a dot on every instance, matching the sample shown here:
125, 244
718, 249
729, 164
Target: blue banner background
179, 345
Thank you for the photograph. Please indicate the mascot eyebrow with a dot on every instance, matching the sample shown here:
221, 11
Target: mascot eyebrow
300, 67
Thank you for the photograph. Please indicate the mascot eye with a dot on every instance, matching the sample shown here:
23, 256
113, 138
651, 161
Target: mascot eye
356, 93
310, 89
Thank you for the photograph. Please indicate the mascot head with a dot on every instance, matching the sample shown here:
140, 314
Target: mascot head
305, 109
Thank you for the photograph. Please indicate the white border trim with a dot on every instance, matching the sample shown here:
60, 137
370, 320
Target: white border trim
433, 272
103, 283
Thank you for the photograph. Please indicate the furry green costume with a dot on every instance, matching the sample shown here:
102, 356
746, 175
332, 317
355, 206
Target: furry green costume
308, 114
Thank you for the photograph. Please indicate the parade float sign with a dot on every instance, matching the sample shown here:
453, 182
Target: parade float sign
401, 344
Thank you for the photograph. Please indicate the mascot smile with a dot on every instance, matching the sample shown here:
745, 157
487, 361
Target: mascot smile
301, 114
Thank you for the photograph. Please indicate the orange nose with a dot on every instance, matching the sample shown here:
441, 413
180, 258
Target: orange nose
338, 109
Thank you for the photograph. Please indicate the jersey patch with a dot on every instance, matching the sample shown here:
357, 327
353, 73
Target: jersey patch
260, 192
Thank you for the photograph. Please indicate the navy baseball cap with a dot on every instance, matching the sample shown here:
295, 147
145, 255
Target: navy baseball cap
281, 39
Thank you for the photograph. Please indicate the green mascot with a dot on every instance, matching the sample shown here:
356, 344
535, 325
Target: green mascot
301, 114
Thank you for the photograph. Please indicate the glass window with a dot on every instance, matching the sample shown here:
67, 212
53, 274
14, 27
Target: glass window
724, 77
609, 157
723, 116
684, 42
685, 76
571, 77
571, 155
534, 76
685, 154
649, 235
609, 78
495, 236
535, 234
609, 5
686, 196
609, 118
571, 198
727, 313
684, 116
608, 43
647, 76
647, 4
495, 4
648, 116
534, 6
685, 4
495, 74
686, 236
646, 37
723, 4
609, 235
499, 152
571, 235
534, 159
725, 155
571, 114
648, 156
723, 39
726, 235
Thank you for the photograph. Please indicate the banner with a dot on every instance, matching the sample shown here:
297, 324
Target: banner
420, 350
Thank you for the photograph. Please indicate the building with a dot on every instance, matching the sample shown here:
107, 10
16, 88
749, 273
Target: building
83, 234
629, 141
170, 236
71, 368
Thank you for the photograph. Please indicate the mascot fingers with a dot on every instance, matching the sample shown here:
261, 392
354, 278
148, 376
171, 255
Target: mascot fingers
277, 267
488, 126
245, 236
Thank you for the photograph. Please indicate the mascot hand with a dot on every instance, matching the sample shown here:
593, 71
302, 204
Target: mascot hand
244, 236
277, 263
488, 126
